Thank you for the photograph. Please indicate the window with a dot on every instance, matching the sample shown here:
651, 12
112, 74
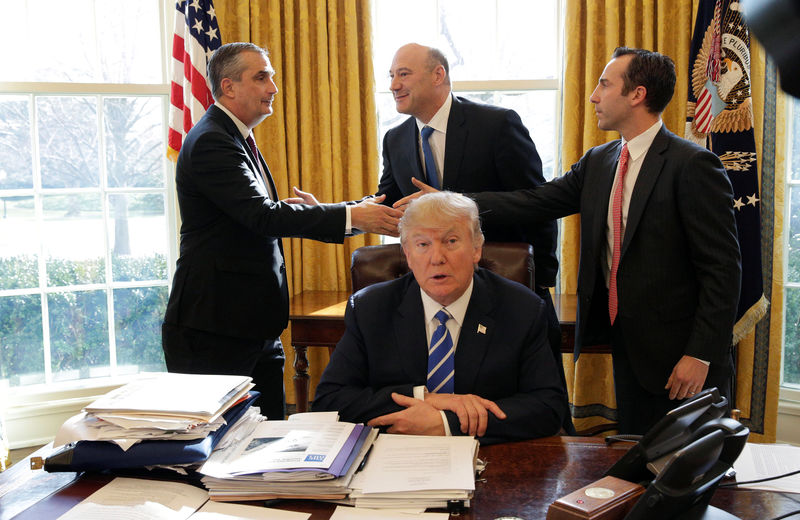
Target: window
84, 223
501, 52
791, 344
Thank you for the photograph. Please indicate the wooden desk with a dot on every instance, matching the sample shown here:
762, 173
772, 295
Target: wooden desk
317, 320
521, 479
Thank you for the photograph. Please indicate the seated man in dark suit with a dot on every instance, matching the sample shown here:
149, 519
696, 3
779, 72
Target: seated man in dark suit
448, 348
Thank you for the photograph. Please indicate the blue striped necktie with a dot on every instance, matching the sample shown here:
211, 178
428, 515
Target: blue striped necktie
430, 165
441, 358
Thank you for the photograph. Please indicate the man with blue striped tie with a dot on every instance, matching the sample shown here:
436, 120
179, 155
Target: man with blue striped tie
450, 348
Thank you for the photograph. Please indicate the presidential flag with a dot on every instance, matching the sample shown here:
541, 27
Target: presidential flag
195, 39
720, 117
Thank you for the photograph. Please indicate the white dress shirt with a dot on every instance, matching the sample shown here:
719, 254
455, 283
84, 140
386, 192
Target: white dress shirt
437, 139
457, 310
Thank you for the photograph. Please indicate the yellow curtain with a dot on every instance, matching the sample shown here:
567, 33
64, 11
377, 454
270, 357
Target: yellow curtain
322, 136
593, 31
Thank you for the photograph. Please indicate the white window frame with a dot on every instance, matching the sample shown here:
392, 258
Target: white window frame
789, 395
33, 414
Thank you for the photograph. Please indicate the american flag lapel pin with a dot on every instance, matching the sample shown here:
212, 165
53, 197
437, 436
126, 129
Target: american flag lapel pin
481, 329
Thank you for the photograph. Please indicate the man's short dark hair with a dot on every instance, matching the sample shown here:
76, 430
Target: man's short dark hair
652, 70
226, 62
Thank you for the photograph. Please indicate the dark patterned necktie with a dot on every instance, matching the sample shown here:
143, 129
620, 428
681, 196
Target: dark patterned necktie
441, 358
430, 165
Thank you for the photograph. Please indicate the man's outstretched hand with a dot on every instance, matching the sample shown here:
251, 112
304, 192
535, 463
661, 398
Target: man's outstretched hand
423, 189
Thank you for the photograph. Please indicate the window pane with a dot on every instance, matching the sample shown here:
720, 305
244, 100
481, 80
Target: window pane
527, 39
537, 109
134, 139
129, 41
16, 161
78, 335
138, 237
791, 349
793, 242
68, 141
398, 23
19, 244
83, 41
138, 314
73, 239
501, 39
21, 346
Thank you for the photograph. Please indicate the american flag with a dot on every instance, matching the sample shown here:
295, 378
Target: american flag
195, 40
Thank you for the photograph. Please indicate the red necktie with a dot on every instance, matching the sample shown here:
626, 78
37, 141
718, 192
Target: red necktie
616, 215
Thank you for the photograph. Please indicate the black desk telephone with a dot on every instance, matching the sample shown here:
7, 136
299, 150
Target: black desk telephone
689, 450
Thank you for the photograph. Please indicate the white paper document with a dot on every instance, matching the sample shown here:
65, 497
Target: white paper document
137, 499
363, 513
187, 395
759, 461
408, 463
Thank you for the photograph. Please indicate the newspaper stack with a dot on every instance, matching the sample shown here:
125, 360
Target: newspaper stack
161, 406
308, 456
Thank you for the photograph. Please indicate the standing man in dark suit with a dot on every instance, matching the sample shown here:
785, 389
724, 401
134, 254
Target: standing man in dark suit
660, 265
474, 148
448, 348
229, 301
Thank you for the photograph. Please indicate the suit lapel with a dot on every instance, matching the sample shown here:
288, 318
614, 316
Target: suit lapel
270, 180
455, 140
605, 171
475, 336
648, 174
409, 333
409, 148
265, 179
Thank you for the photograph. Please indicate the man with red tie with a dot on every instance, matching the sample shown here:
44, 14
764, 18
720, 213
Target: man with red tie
660, 265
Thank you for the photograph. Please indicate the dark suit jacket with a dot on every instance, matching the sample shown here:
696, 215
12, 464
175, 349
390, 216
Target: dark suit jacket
231, 277
487, 148
679, 271
384, 350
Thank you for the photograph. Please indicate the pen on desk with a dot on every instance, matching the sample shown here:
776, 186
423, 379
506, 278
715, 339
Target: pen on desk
364, 460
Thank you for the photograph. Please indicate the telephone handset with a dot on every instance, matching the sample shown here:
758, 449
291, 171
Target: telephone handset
691, 447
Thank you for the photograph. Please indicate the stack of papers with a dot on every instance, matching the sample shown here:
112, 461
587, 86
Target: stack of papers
308, 456
163, 406
761, 461
416, 471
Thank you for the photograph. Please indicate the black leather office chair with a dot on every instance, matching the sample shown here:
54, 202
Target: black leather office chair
373, 264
